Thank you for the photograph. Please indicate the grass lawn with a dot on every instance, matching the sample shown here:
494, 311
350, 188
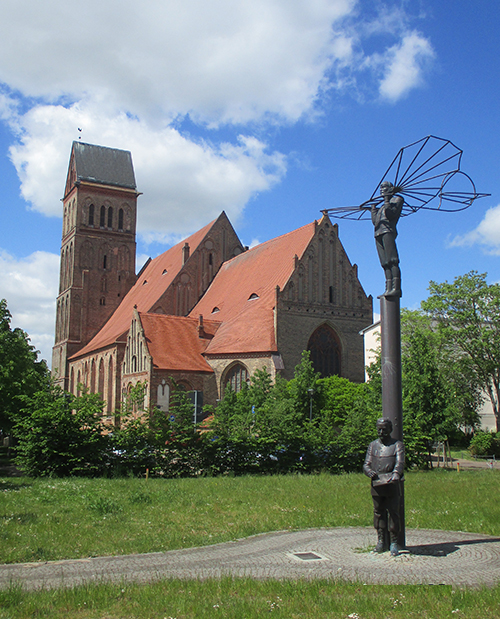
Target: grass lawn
252, 599
53, 519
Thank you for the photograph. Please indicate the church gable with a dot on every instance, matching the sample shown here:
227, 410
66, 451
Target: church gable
201, 259
71, 176
322, 308
324, 273
137, 358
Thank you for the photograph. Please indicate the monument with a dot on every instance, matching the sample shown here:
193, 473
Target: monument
422, 173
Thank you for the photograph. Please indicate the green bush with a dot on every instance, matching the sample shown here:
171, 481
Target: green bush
59, 434
485, 444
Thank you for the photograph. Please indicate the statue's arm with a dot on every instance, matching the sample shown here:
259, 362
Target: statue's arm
367, 466
395, 207
399, 467
374, 211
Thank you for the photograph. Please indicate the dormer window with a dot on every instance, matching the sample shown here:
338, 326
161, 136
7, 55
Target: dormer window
164, 272
215, 310
253, 296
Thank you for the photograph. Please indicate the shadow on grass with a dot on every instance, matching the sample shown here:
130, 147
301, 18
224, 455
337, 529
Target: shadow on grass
446, 548
10, 470
7, 485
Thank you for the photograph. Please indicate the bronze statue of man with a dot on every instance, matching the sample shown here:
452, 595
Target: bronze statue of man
384, 464
385, 218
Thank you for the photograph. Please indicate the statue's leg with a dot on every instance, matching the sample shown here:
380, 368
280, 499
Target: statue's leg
393, 522
388, 280
396, 281
380, 522
379, 240
392, 263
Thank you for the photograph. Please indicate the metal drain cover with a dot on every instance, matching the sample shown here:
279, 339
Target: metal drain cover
307, 556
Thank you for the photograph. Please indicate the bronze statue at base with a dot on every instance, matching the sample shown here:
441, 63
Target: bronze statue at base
384, 465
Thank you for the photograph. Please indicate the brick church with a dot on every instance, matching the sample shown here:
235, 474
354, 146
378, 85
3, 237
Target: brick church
208, 312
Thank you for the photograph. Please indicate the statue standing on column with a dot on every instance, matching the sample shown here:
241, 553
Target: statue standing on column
385, 218
384, 464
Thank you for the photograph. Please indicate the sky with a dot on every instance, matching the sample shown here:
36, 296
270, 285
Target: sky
271, 110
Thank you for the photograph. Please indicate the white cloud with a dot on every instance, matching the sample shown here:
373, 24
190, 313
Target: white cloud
30, 287
126, 72
487, 233
221, 61
404, 66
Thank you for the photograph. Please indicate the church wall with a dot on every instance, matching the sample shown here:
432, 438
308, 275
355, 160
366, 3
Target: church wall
222, 365
323, 289
99, 373
162, 383
296, 325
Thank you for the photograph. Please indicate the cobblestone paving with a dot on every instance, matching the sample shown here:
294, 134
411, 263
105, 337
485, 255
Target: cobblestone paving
431, 557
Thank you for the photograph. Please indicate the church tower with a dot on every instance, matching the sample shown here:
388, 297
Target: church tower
98, 247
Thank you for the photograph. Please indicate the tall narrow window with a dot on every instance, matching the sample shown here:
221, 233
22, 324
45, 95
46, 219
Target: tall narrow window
91, 215
104, 261
120, 219
102, 220
110, 217
110, 387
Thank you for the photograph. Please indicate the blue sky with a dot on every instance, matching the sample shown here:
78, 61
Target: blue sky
271, 110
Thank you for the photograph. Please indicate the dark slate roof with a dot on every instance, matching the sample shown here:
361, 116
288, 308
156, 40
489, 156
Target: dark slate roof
100, 164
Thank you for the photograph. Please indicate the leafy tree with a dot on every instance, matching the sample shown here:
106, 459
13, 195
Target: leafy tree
20, 372
59, 434
426, 396
268, 427
134, 442
467, 314
181, 455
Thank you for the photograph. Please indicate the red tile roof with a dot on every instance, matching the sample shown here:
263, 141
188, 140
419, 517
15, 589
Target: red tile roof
248, 324
174, 341
150, 286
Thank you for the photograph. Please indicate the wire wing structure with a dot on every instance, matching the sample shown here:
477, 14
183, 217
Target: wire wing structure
424, 172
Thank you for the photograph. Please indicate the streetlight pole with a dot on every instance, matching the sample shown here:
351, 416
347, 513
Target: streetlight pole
311, 393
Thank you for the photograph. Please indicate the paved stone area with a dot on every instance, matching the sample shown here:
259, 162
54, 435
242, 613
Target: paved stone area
431, 557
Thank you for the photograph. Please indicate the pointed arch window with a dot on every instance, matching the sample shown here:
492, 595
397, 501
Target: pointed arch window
236, 377
102, 219
110, 217
100, 380
325, 349
120, 219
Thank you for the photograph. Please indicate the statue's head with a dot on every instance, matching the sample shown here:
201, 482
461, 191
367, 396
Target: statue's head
384, 427
386, 188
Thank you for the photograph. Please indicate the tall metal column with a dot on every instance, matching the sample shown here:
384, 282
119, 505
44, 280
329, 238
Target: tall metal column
392, 397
